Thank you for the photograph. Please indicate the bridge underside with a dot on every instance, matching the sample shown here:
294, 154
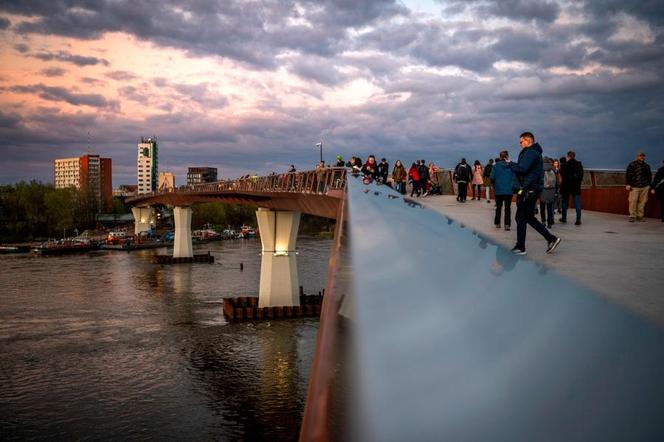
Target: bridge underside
325, 206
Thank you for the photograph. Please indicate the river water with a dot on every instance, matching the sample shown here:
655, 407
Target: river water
108, 345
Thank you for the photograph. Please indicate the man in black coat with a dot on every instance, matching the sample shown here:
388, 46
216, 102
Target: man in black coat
637, 179
462, 175
657, 188
571, 172
423, 170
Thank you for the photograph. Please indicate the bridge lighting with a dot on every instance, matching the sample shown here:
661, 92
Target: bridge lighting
281, 253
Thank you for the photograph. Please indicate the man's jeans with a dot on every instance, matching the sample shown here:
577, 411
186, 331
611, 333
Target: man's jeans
577, 206
525, 214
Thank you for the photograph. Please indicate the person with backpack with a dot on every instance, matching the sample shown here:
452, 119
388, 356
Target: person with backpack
572, 176
462, 175
548, 195
503, 181
487, 179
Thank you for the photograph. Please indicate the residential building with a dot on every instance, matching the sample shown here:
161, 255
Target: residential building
198, 175
90, 174
148, 165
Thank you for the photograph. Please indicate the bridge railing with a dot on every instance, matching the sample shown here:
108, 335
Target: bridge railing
316, 182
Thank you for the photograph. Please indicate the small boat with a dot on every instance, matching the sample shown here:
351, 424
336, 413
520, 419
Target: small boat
63, 247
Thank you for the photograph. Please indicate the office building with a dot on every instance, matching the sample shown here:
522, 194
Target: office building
148, 165
199, 175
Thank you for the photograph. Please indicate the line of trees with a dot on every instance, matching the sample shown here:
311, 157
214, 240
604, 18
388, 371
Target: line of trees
34, 210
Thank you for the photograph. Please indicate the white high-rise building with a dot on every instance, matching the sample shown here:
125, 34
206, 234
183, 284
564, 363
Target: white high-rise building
147, 163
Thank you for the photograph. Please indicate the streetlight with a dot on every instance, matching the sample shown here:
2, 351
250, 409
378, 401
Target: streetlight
321, 150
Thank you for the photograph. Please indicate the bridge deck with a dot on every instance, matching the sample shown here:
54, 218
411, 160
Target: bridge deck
621, 261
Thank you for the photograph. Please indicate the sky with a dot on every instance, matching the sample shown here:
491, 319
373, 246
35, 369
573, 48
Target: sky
253, 86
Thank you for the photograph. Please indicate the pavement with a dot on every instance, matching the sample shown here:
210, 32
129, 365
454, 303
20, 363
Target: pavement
622, 262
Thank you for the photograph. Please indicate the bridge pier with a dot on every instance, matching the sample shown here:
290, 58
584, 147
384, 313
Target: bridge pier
144, 219
279, 283
182, 247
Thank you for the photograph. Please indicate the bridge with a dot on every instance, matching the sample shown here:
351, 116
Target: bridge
280, 200
432, 330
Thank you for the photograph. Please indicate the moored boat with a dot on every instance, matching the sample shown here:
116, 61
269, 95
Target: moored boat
63, 247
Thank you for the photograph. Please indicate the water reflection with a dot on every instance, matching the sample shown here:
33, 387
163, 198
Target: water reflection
143, 350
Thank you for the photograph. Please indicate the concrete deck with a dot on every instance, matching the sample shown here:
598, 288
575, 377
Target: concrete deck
623, 262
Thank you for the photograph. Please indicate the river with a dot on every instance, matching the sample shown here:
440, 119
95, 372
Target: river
107, 345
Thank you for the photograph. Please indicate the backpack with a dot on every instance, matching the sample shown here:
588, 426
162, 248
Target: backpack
462, 173
549, 179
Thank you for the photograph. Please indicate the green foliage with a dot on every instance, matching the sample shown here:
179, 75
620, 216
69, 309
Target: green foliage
222, 214
36, 210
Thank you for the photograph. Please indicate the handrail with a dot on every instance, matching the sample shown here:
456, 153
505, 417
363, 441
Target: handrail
310, 182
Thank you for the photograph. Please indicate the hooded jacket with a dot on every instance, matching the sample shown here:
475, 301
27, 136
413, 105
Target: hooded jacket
529, 168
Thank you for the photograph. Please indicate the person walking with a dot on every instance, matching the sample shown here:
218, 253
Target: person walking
423, 170
638, 178
478, 179
529, 172
486, 176
657, 188
572, 177
399, 176
502, 179
462, 175
414, 177
548, 196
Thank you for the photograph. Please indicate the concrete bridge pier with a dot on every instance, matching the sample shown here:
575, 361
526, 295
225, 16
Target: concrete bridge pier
182, 247
279, 283
144, 219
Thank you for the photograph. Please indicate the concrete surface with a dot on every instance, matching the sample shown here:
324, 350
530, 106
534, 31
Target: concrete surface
623, 262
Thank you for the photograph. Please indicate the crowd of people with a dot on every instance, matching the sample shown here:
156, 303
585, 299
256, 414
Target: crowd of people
542, 185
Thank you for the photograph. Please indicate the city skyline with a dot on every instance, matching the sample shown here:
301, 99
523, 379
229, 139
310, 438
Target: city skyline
251, 87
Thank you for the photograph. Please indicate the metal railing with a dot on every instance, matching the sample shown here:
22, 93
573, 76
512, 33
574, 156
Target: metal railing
310, 182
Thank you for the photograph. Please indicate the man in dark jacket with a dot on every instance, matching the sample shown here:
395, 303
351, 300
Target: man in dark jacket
637, 178
462, 174
657, 187
423, 170
502, 179
571, 172
383, 170
530, 174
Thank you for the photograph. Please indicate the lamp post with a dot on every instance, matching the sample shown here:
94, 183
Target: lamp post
321, 150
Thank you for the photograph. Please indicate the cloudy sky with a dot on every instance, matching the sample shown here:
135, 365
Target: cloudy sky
252, 86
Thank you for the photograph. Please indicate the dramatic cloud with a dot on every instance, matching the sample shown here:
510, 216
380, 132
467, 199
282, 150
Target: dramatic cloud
252, 86
62, 94
53, 72
78, 60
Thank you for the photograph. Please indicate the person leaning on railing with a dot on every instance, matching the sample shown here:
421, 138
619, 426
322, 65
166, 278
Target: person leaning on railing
637, 179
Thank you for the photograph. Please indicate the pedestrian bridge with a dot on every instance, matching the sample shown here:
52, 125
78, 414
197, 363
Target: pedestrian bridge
432, 330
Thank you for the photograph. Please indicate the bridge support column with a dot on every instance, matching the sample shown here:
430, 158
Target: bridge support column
279, 283
144, 219
182, 247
